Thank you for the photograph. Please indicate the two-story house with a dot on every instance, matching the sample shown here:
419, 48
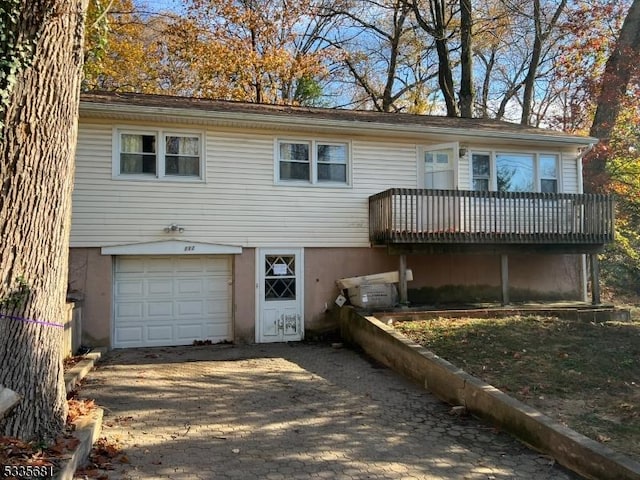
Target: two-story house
197, 219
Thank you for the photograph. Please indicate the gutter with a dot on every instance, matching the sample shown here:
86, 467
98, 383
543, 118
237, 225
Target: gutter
108, 110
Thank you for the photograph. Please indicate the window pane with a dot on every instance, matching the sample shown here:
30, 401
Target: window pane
294, 161
481, 184
428, 157
137, 153
280, 279
280, 289
332, 173
442, 157
137, 143
183, 145
548, 166
188, 166
182, 156
548, 186
332, 153
294, 151
294, 171
481, 165
515, 172
137, 163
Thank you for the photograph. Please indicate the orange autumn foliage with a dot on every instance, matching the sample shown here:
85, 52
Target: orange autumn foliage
249, 51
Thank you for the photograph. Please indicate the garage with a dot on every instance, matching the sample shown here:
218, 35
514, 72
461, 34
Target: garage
171, 300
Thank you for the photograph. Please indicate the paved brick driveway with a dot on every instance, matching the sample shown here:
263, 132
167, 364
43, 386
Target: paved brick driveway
296, 411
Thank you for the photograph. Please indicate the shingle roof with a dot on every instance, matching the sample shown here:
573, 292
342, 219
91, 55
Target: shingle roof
319, 114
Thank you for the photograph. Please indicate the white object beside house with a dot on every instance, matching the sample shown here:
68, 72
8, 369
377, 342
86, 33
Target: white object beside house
373, 279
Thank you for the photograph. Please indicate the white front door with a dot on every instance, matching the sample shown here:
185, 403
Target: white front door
437, 170
280, 316
438, 166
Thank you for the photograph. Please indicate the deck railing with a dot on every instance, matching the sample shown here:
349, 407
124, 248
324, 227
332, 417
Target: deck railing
403, 215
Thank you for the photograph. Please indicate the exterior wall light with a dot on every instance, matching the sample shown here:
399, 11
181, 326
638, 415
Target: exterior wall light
173, 228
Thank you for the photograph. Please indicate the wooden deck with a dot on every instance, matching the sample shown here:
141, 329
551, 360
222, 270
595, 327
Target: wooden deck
413, 217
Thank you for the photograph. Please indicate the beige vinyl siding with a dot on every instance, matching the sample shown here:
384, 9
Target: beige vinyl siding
239, 203
378, 166
569, 174
464, 172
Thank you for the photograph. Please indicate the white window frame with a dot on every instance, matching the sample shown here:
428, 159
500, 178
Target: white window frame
492, 176
313, 162
558, 169
160, 134
493, 179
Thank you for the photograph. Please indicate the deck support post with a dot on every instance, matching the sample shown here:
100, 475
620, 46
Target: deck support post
595, 279
404, 300
504, 278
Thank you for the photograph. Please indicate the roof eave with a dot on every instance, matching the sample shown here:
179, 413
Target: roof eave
163, 113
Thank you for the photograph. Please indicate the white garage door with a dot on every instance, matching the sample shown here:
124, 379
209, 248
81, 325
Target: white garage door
171, 300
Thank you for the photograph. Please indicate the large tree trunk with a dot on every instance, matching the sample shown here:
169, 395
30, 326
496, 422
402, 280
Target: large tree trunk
36, 176
619, 69
539, 41
438, 30
466, 60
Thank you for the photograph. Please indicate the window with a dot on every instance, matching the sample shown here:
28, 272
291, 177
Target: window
138, 153
514, 172
548, 173
182, 155
294, 161
481, 166
332, 162
158, 154
313, 162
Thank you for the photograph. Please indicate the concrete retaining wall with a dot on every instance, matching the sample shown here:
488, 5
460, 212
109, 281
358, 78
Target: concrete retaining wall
451, 384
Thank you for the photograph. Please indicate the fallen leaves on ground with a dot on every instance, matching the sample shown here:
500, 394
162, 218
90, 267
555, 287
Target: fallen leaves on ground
103, 457
71, 362
79, 408
18, 453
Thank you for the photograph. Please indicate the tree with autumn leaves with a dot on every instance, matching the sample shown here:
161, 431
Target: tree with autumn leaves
598, 86
250, 50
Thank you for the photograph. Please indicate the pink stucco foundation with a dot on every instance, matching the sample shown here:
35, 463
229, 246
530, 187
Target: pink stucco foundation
437, 279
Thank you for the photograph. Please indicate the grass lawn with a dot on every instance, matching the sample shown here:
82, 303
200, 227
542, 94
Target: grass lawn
585, 375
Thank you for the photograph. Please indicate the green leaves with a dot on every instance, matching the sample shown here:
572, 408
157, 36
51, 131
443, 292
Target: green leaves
16, 51
18, 296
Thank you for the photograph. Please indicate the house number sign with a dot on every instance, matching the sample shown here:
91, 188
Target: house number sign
189, 248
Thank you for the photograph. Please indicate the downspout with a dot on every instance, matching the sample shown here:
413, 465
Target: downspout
583, 266
579, 158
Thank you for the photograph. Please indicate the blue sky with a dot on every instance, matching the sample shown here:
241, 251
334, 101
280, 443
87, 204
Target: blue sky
160, 5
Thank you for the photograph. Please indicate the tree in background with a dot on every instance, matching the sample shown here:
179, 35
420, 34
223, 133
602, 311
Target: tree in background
419, 56
41, 44
267, 51
257, 51
385, 61
436, 18
614, 165
126, 49
621, 260
620, 71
